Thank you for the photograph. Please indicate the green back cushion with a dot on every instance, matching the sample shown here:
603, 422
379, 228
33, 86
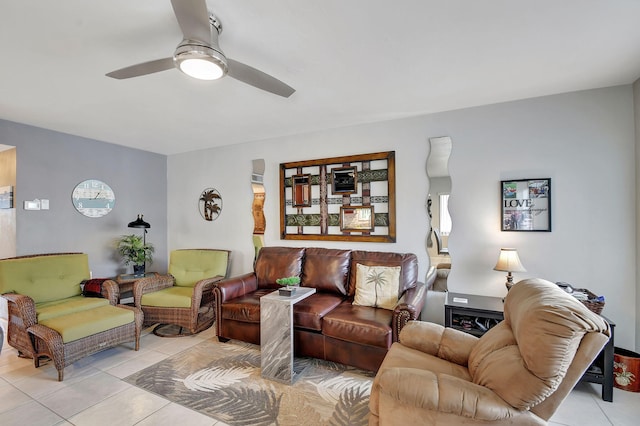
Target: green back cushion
56, 308
190, 266
44, 278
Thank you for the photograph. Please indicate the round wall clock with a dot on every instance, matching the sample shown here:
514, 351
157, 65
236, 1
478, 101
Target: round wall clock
93, 198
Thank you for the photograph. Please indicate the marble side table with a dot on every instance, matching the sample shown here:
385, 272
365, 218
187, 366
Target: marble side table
276, 334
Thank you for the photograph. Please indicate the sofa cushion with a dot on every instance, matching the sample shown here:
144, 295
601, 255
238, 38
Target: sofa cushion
244, 308
56, 308
277, 262
170, 297
377, 286
327, 270
407, 261
44, 277
308, 313
359, 324
404, 356
86, 323
190, 266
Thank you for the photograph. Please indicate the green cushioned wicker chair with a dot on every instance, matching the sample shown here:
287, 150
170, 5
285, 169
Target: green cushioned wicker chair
49, 317
183, 297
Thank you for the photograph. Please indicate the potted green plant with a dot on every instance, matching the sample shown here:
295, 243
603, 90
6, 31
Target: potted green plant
289, 285
136, 251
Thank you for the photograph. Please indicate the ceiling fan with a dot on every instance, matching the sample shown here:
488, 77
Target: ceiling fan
200, 56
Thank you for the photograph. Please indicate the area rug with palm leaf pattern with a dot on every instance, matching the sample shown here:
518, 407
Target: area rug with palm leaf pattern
222, 380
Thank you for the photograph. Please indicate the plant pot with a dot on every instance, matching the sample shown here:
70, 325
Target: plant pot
287, 291
138, 270
626, 370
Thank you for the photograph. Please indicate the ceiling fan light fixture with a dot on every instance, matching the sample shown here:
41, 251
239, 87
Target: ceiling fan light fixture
200, 62
202, 69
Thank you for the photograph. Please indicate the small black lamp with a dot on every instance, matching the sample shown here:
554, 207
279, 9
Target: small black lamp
140, 223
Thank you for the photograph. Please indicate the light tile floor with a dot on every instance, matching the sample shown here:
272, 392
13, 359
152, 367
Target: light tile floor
93, 392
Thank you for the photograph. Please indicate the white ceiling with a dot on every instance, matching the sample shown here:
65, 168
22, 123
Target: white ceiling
351, 61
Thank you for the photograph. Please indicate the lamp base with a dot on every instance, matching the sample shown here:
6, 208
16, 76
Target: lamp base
509, 282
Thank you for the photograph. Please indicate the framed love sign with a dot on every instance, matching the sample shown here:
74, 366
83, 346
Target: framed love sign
526, 205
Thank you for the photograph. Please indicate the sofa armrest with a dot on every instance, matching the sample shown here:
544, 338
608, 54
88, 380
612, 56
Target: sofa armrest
111, 291
408, 308
24, 306
149, 285
50, 344
442, 393
447, 343
207, 283
235, 287
201, 289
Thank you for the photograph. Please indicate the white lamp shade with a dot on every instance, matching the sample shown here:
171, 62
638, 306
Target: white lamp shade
508, 261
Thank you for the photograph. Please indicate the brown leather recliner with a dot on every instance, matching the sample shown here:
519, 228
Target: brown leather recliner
517, 373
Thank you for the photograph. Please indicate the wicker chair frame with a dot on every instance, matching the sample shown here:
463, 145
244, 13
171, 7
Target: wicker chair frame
48, 342
198, 317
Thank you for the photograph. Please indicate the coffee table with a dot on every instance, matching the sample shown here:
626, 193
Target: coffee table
276, 334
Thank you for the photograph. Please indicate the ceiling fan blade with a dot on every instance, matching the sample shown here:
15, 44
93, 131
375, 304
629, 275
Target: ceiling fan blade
142, 69
257, 78
193, 18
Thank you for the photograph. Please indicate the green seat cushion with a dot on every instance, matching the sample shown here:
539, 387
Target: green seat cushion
190, 266
172, 297
88, 322
44, 278
56, 308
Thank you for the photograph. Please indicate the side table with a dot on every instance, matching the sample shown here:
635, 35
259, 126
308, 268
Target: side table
472, 314
276, 334
125, 281
477, 314
601, 371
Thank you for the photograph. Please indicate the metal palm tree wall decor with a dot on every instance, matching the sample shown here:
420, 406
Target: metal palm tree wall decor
210, 204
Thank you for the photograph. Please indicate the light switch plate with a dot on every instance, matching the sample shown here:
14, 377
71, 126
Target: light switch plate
32, 205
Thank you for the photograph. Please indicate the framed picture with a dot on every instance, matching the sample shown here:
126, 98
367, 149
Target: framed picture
301, 188
357, 218
6, 197
312, 193
526, 205
344, 180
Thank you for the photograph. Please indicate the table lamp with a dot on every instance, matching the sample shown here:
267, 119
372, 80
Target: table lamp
509, 262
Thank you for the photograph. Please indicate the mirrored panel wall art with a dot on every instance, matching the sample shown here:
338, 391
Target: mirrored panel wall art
349, 198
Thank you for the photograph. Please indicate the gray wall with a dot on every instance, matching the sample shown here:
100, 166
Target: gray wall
51, 164
583, 141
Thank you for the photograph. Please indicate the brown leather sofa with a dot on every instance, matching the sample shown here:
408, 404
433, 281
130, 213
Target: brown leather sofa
517, 373
327, 325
